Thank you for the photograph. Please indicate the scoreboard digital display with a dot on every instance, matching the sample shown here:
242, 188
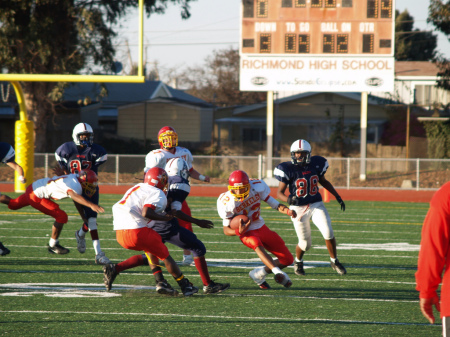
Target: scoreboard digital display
318, 27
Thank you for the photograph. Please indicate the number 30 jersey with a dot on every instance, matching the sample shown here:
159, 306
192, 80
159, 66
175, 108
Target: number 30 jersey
228, 207
303, 181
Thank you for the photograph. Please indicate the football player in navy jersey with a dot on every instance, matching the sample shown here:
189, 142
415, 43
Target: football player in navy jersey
73, 157
8, 156
303, 174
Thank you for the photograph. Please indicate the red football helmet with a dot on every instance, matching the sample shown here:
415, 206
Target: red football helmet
89, 181
157, 177
167, 137
239, 185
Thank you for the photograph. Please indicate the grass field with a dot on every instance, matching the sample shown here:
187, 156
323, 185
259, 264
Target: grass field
45, 294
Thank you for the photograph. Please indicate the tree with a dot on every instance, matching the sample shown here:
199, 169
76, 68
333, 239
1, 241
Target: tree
61, 37
412, 45
218, 80
439, 16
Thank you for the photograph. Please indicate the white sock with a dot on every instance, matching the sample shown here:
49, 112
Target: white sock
52, 242
297, 260
96, 244
81, 233
333, 260
276, 270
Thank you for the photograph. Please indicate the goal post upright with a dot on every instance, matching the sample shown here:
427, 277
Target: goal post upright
24, 128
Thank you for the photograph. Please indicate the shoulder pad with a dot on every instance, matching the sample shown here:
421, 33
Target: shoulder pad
258, 185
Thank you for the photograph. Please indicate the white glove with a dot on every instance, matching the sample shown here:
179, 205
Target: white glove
22, 179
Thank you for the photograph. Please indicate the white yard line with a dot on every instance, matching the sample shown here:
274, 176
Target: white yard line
246, 319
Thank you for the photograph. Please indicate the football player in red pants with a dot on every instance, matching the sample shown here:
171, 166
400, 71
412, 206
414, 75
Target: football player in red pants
131, 214
168, 142
244, 196
40, 194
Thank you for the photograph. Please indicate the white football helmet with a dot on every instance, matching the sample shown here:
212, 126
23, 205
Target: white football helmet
80, 129
177, 167
303, 146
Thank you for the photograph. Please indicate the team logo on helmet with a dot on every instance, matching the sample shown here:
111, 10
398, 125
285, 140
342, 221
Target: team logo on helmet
177, 167
157, 177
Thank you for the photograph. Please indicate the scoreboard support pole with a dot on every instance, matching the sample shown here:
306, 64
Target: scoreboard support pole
363, 146
269, 133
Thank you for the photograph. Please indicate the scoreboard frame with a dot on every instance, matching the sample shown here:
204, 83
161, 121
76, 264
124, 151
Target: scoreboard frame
347, 38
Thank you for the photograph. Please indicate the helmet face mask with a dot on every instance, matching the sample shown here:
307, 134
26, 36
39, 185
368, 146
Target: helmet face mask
239, 185
301, 146
89, 182
157, 177
85, 130
167, 137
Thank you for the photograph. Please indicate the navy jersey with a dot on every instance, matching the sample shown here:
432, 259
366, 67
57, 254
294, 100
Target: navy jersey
303, 181
7, 153
179, 189
74, 158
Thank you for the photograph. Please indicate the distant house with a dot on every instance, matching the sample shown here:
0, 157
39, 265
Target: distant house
139, 110
312, 116
415, 83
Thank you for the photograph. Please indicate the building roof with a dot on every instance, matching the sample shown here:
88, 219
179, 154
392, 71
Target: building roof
124, 93
372, 100
415, 68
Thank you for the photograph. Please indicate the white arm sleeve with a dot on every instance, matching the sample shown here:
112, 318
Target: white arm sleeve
273, 202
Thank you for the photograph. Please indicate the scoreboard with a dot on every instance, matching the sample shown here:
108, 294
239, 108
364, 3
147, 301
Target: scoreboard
327, 38
318, 27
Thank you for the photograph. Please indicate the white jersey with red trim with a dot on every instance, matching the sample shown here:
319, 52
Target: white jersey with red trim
228, 207
127, 213
160, 157
57, 187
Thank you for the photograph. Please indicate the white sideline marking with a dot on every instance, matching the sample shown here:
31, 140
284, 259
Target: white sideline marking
397, 246
246, 319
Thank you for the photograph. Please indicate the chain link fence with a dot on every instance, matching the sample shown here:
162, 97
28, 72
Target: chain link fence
381, 173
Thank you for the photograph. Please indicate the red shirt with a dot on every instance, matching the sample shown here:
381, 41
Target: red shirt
434, 253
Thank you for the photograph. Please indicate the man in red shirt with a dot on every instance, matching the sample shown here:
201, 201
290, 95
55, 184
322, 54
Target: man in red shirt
434, 259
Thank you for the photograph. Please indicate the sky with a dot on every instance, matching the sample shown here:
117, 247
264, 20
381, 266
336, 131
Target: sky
175, 44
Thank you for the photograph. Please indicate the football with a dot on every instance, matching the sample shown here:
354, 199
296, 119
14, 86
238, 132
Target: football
234, 224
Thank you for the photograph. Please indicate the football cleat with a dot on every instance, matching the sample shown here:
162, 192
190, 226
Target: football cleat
257, 276
298, 268
338, 267
213, 287
101, 258
58, 249
187, 260
283, 279
81, 243
4, 250
164, 288
109, 275
265, 286
188, 288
